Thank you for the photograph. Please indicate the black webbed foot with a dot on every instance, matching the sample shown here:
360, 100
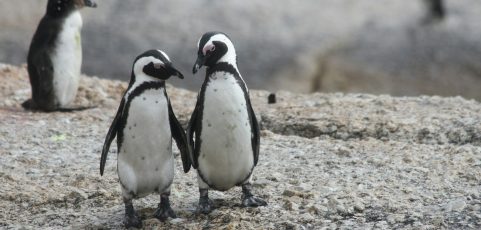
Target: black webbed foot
253, 201
164, 211
249, 200
131, 219
205, 204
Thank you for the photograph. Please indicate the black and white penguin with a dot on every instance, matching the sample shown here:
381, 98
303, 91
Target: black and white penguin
145, 125
223, 130
55, 56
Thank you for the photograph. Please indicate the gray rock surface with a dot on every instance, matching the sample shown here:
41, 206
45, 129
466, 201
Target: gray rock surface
327, 161
408, 59
329, 45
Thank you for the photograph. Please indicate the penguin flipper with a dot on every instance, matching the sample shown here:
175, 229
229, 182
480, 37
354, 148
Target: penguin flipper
256, 138
193, 129
180, 138
114, 127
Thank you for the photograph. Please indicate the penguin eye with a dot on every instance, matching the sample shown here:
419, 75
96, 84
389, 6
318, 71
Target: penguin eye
208, 49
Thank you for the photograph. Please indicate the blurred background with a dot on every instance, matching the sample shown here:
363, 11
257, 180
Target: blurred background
392, 47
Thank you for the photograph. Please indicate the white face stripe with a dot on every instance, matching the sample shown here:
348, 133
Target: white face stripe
165, 55
139, 64
198, 42
230, 56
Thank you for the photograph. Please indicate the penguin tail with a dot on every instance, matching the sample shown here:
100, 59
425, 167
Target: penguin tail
29, 104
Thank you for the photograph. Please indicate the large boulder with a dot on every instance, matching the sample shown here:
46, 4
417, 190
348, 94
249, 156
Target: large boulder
403, 58
329, 45
268, 35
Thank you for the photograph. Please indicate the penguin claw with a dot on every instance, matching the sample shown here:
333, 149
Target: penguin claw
132, 221
163, 213
253, 201
205, 206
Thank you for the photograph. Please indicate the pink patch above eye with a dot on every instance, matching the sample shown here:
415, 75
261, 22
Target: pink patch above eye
209, 47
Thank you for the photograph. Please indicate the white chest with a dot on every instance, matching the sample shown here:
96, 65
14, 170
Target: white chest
226, 155
67, 60
145, 160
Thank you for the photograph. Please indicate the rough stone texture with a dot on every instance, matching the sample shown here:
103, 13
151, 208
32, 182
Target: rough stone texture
327, 160
342, 45
434, 59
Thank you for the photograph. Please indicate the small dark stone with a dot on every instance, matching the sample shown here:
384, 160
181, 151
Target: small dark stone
210, 125
215, 90
156, 102
143, 98
133, 137
271, 99
130, 127
157, 169
143, 158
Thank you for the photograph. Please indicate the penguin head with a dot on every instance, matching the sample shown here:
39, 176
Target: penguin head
213, 48
154, 65
58, 8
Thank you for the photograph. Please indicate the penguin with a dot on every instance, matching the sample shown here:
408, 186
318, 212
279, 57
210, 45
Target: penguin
55, 57
145, 125
223, 131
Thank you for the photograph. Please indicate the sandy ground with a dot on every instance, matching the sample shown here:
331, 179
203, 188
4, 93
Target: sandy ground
327, 161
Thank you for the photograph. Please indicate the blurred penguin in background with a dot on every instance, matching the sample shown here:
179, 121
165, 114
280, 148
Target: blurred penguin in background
55, 57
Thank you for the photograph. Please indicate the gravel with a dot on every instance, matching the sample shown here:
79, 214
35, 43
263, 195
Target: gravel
327, 161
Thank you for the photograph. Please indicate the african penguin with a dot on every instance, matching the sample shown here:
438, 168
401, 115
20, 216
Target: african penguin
223, 131
55, 56
145, 125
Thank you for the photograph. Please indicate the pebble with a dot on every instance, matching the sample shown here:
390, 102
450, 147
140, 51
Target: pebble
359, 207
290, 206
318, 209
307, 217
261, 183
456, 206
343, 151
290, 193
77, 196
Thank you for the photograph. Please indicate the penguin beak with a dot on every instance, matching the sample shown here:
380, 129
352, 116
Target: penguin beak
175, 72
198, 63
90, 3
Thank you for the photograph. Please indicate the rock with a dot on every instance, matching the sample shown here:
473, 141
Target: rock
275, 176
438, 221
359, 207
261, 183
290, 206
291, 193
77, 195
306, 218
291, 226
343, 151
177, 220
456, 206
